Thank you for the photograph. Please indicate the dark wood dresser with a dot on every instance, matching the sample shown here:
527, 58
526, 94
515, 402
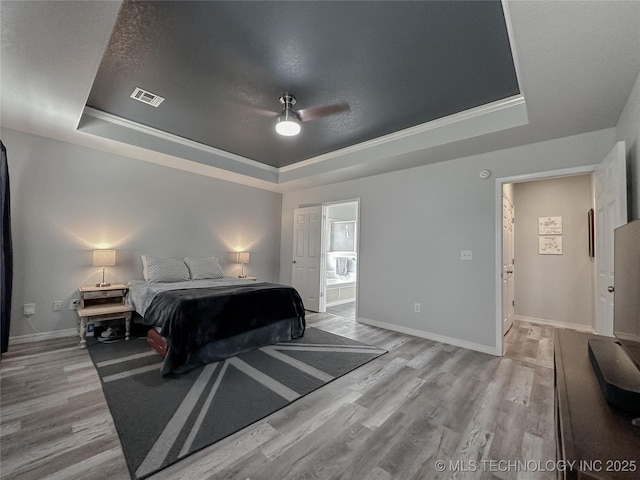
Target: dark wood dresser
599, 438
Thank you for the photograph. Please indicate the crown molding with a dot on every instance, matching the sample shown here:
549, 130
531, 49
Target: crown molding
502, 114
407, 133
139, 127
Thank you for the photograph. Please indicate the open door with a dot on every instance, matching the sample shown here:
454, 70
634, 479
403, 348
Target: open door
611, 212
306, 264
508, 254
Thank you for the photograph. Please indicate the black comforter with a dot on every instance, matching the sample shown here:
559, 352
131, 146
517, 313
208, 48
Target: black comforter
208, 324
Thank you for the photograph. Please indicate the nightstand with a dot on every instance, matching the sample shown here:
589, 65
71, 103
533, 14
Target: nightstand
100, 304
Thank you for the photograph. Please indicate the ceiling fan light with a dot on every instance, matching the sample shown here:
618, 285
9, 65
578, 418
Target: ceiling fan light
288, 125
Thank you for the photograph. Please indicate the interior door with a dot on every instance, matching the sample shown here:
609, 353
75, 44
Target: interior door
306, 263
508, 254
610, 180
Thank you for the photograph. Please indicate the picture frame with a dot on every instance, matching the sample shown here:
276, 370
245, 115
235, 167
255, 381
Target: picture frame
550, 225
591, 233
550, 245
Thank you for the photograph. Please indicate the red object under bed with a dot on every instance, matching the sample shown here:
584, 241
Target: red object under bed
157, 342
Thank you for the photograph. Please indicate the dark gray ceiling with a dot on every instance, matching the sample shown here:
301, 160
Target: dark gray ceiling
221, 66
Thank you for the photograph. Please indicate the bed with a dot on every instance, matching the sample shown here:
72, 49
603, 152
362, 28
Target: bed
208, 319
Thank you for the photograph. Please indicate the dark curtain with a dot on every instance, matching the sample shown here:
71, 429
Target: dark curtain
6, 272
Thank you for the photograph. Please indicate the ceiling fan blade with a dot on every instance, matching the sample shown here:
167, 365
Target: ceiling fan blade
265, 113
312, 113
251, 112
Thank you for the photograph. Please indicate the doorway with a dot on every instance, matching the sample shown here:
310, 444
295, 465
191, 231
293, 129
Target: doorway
507, 256
340, 251
548, 275
608, 198
325, 257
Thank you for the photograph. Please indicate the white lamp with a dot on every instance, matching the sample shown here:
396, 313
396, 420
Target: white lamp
242, 258
104, 258
288, 124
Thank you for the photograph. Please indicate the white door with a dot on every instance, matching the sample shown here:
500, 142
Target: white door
307, 241
610, 180
508, 297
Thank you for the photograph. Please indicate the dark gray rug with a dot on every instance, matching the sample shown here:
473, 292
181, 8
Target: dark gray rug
161, 420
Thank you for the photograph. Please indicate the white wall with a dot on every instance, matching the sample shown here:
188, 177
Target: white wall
414, 223
555, 288
628, 129
67, 200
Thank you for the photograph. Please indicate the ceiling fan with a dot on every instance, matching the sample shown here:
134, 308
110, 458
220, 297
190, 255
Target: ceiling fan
289, 119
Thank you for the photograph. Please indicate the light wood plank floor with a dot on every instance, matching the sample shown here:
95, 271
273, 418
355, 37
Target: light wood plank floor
390, 419
345, 310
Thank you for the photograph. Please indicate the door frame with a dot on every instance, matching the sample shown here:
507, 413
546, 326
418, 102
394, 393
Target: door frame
499, 182
323, 249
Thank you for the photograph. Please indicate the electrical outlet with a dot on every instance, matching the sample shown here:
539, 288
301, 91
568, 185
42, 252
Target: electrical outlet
416, 307
73, 304
57, 305
29, 309
466, 255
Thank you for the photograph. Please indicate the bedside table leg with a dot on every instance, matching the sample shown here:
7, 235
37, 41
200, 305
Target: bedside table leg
83, 332
127, 326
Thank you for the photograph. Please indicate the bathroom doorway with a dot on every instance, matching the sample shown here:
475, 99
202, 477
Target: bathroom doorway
340, 247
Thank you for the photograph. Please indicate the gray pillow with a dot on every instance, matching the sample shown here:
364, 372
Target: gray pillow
201, 268
159, 270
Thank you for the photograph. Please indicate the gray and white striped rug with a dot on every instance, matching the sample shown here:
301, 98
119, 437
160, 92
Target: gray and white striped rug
161, 420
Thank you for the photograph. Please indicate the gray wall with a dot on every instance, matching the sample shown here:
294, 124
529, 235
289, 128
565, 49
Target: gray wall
628, 129
67, 200
413, 224
557, 288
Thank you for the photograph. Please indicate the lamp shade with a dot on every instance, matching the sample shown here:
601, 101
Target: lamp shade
288, 125
243, 257
104, 258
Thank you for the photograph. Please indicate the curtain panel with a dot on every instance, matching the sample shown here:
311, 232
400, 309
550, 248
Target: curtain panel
6, 271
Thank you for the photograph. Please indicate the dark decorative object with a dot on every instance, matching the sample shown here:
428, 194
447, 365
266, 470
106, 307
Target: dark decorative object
592, 238
6, 271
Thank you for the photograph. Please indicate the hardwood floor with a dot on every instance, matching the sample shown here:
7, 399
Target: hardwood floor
390, 419
345, 310
530, 343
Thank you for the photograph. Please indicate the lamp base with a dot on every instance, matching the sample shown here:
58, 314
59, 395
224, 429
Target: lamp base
103, 284
242, 276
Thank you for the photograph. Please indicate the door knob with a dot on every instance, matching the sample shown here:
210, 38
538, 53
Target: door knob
610, 289
293, 261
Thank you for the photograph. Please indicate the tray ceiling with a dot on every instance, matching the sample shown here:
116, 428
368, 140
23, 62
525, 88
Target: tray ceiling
221, 67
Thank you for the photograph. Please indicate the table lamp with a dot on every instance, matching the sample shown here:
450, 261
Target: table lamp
104, 258
242, 258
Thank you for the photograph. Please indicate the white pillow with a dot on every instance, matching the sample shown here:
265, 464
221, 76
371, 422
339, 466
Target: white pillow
163, 269
201, 268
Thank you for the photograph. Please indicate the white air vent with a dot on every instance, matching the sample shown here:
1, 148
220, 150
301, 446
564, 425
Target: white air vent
147, 97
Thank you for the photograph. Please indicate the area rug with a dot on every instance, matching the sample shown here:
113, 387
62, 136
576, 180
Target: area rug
161, 420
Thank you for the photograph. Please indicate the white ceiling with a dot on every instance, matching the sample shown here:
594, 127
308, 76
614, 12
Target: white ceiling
577, 64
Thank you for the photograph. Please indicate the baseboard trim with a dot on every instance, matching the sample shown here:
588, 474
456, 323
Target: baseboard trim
37, 337
555, 323
430, 336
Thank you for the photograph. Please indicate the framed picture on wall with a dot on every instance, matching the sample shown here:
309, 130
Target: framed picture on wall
591, 233
550, 245
549, 225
